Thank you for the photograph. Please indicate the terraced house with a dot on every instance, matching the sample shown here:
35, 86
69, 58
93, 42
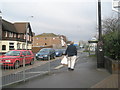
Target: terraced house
14, 36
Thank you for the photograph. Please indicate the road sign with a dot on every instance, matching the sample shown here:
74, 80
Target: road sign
116, 5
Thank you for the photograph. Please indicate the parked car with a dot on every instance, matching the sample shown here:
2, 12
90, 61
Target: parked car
63, 51
14, 58
58, 52
46, 54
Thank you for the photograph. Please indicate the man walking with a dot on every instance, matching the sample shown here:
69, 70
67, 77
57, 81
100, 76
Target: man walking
71, 52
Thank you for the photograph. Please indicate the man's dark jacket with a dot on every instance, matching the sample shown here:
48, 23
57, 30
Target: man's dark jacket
71, 50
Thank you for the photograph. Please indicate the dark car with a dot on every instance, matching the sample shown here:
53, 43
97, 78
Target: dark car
46, 54
63, 51
58, 52
14, 58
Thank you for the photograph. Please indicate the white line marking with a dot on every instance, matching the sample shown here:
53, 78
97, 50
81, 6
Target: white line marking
58, 67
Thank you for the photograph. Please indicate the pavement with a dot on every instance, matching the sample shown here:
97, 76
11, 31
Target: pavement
85, 75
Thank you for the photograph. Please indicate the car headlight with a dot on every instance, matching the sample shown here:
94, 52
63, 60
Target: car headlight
7, 60
36, 54
45, 55
57, 53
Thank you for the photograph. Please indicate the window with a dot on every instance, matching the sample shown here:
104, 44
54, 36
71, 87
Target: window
30, 38
11, 46
18, 46
23, 46
6, 34
24, 36
24, 53
3, 47
28, 53
18, 35
10, 34
15, 35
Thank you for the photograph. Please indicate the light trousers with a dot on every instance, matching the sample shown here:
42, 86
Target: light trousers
71, 61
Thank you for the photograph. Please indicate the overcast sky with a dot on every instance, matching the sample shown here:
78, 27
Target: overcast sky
76, 19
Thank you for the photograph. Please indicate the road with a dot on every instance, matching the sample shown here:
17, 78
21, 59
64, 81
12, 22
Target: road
38, 68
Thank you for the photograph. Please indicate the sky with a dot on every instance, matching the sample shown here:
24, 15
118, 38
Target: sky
76, 19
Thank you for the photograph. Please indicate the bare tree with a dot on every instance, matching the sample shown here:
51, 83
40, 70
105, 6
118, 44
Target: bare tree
110, 25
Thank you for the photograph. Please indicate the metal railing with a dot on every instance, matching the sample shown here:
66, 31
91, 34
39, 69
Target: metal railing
11, 74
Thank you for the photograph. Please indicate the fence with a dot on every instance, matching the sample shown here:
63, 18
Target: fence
22, 70
113, 66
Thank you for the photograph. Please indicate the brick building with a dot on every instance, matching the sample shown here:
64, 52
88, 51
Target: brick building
49, 39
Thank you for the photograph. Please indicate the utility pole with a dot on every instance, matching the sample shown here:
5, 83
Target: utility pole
0, 25
100, 54
0, 48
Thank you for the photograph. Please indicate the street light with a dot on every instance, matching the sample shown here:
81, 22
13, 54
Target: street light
26, 27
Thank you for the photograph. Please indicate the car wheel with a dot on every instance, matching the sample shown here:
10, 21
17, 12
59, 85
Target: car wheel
16, 65
32, 62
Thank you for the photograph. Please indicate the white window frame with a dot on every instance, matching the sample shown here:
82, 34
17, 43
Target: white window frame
6, 34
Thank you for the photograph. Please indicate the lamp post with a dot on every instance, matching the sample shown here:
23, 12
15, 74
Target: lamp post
100, 54
26, 28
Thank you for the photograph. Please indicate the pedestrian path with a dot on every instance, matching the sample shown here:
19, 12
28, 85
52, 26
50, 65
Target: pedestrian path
109, 82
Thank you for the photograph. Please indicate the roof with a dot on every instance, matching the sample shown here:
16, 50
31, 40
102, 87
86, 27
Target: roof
20, 27
8, 26
47, 35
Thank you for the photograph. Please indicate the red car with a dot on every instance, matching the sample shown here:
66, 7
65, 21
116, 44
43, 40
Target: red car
15, 58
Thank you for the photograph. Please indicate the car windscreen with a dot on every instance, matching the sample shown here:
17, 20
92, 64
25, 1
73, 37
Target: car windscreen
13, 53
44, 51
57, 50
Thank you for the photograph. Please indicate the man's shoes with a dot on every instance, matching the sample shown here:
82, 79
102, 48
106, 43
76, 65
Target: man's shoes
70, 69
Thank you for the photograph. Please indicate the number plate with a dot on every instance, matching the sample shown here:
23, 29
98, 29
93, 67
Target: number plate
40, 57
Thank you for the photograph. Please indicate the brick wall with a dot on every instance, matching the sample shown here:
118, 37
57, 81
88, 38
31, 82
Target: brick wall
46, 41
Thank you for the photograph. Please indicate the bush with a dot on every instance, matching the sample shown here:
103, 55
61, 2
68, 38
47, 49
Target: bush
111, 38
112, 45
